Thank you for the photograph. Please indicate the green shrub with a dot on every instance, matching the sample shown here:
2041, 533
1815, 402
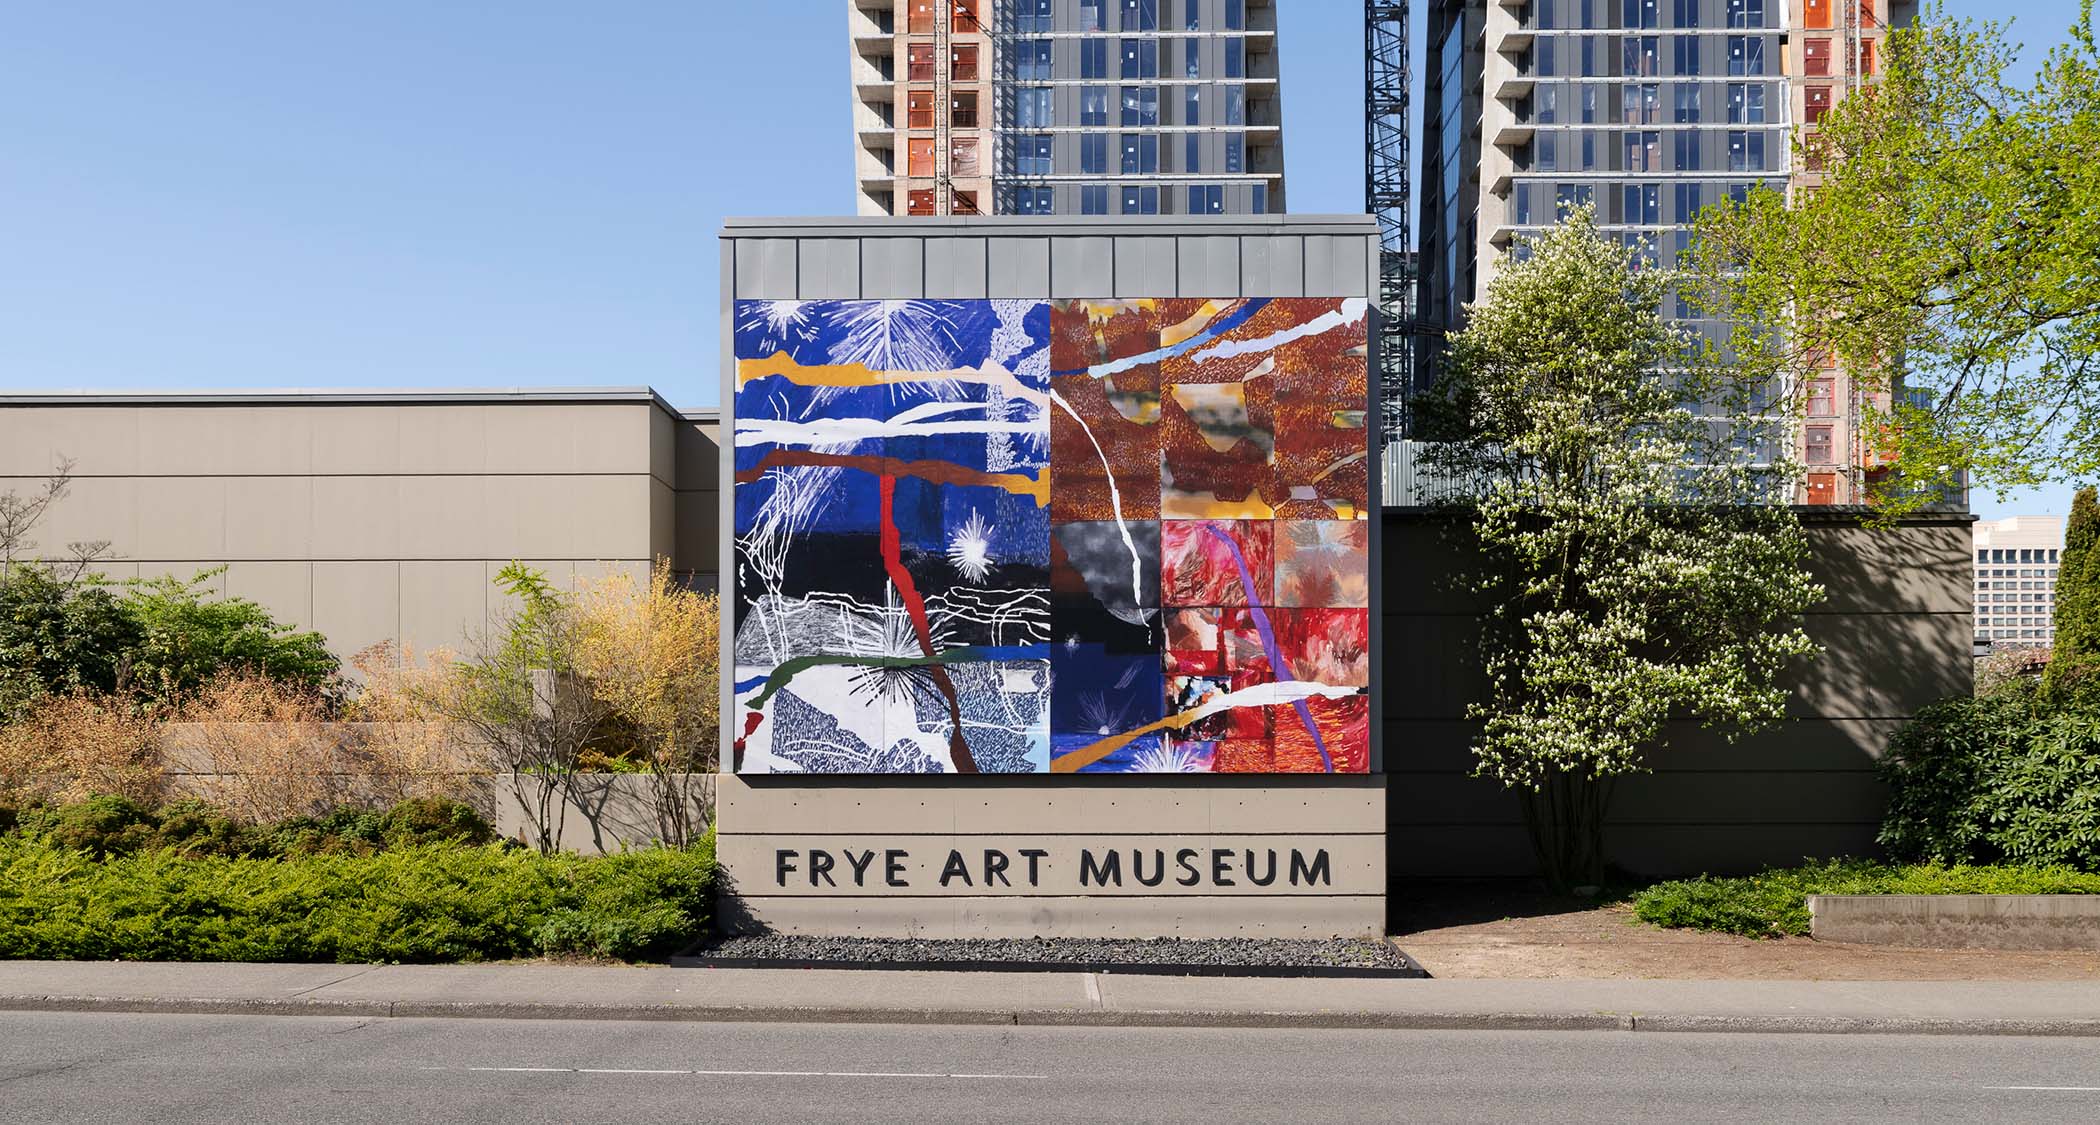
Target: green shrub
423, 903
103, 826
2012, 777
1775, 901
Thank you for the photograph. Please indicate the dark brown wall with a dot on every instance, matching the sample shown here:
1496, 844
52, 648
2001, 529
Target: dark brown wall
1896, 631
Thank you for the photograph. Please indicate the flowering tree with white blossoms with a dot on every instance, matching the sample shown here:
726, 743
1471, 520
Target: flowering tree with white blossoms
1634, 536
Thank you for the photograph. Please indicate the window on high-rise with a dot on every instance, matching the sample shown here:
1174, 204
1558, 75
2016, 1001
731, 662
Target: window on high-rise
918, 159
1520, 205
1032, 17
1641, 204
1588, 162
1141, 201
1093, 58
1235, 105
962, 62
1640, 13
919, 201
1235, 15
1192, 15
1093, 15
962, 157
1140, 15
1192, 153
1034, 108
1140, 58
1688, 201
1545, 102
1866, 56
1032, 154
1590, 116
1093, 199
1822, 398
1258, 199
1235, 58
1140, 106
1746, 55
1570, 197
1093, 105
1815, 102
1746, 13
1235, 152
1093, 153
1206, 199
1684, 55
1746, 103
1140, 154
1641, 104
1643, 151
1687, 103
1685, 147
1643, 55
1034, 201
1684, 13
1816, 13
1746, 151
919, 62
1192, 105
1818, 446
1545, 150
965, 19
918, 109
1815, 57
918, 18
962, 111
1032, 60
1192, 58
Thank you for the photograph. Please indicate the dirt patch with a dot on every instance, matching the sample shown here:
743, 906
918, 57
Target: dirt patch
1509, 932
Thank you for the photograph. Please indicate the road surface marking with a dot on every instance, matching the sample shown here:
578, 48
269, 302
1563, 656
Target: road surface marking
727, 1073
2071, 1089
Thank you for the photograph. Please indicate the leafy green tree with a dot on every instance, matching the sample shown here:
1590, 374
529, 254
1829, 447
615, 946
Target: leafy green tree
58, 636
1946, 261
1637, 567
2078, 581
187, 636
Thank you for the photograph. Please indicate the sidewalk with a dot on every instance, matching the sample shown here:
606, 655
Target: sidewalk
546, 991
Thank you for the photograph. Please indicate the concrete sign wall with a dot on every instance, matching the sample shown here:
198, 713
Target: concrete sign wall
1025, 497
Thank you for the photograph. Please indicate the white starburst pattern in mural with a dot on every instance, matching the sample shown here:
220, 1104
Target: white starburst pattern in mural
970, 550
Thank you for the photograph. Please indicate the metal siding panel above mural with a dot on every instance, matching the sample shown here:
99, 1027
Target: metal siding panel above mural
1080, 265
1144, 266
1018, 267
1272, 265
830, 267
765, 268
954, 267
894, 268
1209, 264
1073, 536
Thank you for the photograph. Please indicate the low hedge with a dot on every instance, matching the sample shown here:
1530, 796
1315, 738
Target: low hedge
1774, 902
424, 902
109, 825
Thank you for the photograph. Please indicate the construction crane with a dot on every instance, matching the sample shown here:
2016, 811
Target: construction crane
1387, 195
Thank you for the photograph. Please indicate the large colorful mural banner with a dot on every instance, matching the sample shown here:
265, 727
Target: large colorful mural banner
1010, 536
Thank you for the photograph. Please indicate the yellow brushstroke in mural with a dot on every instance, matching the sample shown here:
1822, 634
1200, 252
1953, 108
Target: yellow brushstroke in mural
1173, 334
1330, 470
1182, 507
1094, 752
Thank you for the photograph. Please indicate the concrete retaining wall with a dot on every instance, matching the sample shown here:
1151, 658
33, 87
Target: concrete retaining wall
1896, 632
1959, 921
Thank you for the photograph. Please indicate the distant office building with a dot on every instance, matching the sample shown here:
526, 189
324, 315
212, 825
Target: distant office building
1647, 110
2016, 563
1066, 107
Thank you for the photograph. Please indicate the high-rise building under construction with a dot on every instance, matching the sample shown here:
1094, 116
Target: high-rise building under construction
1646, 110
1066, 107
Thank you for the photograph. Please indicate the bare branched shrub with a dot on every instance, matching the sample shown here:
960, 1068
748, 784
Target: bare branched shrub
406, 744
263, 750
69, 747
650, 655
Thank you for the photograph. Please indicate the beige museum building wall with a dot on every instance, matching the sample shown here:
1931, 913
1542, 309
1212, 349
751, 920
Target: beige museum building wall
371, 517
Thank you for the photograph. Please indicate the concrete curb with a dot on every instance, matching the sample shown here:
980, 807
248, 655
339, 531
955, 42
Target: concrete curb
1063, 1017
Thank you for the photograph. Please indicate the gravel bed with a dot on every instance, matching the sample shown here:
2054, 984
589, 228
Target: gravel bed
1226, 954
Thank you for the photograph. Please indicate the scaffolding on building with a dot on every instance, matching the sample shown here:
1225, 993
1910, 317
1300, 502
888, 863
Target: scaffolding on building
1388, 196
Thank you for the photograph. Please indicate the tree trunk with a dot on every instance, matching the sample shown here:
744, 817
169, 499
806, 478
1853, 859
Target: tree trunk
1565, 818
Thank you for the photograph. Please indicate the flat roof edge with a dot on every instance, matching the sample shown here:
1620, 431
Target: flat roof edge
317, 396
753, 226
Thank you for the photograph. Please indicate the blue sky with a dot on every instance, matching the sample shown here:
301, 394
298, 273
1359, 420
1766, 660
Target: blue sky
396, 194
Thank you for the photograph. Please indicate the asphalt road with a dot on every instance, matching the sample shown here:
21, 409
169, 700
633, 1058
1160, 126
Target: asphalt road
170, 1069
